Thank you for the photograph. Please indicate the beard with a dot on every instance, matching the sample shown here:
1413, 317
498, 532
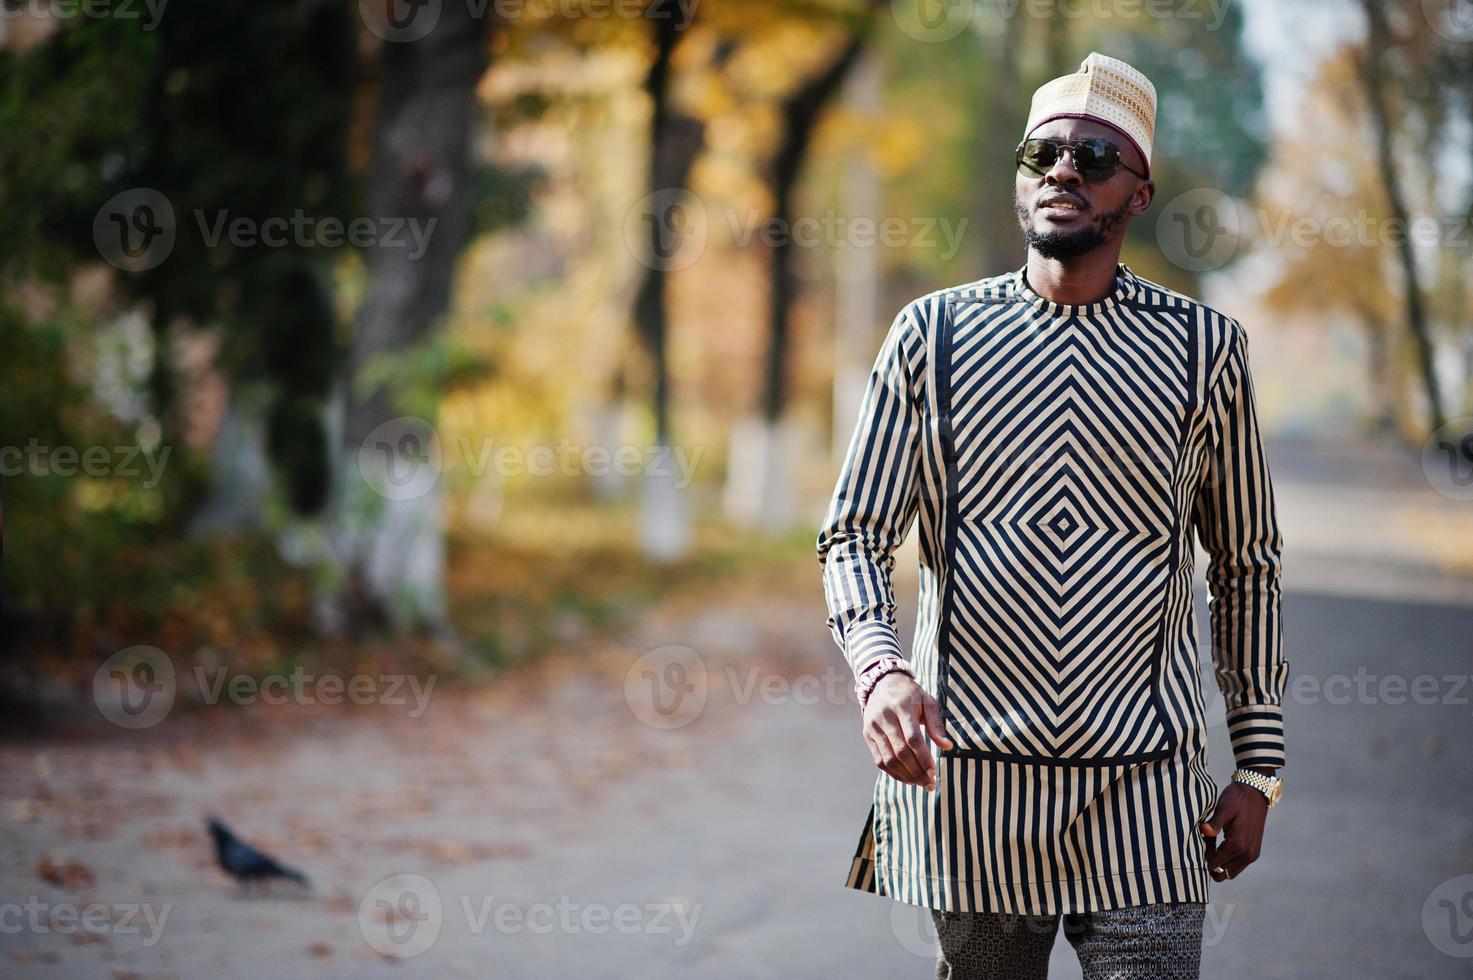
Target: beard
1071, 244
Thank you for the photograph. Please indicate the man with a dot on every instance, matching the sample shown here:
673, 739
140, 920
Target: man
1061, 432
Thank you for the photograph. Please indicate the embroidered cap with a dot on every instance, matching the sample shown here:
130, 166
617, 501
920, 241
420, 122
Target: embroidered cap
1106, 90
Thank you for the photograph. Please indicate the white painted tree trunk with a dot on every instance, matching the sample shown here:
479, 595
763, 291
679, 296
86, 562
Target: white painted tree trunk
609, 425
762, 464
665, 512
239, 470
402, 553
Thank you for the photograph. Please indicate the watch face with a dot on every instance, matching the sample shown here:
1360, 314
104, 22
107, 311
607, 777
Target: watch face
1275, 792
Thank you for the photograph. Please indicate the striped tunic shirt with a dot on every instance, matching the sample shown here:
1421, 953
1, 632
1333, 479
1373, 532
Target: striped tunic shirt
1060, 459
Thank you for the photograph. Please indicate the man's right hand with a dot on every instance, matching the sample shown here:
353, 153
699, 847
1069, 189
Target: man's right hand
898, 717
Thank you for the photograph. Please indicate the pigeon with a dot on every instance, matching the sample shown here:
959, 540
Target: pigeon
246, 864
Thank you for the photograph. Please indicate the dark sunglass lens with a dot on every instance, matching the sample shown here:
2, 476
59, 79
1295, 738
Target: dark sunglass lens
1097, 159
1038, 155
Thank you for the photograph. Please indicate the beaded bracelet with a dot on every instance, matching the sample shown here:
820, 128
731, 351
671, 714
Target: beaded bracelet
870, 676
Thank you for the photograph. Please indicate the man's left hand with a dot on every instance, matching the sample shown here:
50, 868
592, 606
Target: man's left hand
1235, 831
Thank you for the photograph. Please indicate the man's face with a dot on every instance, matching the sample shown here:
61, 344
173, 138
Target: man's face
1062, 214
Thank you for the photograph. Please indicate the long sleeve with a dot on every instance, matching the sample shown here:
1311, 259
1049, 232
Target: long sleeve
1236, 521
875, 500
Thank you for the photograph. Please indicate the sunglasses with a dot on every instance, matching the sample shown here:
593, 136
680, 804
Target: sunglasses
1095, 159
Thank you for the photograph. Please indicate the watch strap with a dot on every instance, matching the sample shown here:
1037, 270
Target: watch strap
1264, 784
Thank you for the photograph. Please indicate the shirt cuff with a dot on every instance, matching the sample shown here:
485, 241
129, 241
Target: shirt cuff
1257, 734
868, 641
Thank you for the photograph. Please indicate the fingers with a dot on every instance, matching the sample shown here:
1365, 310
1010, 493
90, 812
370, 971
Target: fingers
1227, 853
1231, 869
1217, 851
1210, 835
935, 725
1239, 852
910, 768
884, 756
915, 748
1233, 837
888, 741
897, 742
896, 731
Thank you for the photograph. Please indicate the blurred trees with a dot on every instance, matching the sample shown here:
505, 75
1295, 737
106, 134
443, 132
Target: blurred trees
198, 156
154, 116
159, 123
1383, 176
613, 257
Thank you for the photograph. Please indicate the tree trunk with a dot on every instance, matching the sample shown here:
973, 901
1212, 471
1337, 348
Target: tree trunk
1374, 80
800, 114
676, 140
772, 441
421, 172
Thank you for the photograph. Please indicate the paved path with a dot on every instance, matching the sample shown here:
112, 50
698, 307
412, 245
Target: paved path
562, 835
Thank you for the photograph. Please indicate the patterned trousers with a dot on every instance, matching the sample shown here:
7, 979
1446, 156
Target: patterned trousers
1142, 941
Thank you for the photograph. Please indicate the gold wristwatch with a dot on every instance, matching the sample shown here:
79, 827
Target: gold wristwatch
1270, 786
